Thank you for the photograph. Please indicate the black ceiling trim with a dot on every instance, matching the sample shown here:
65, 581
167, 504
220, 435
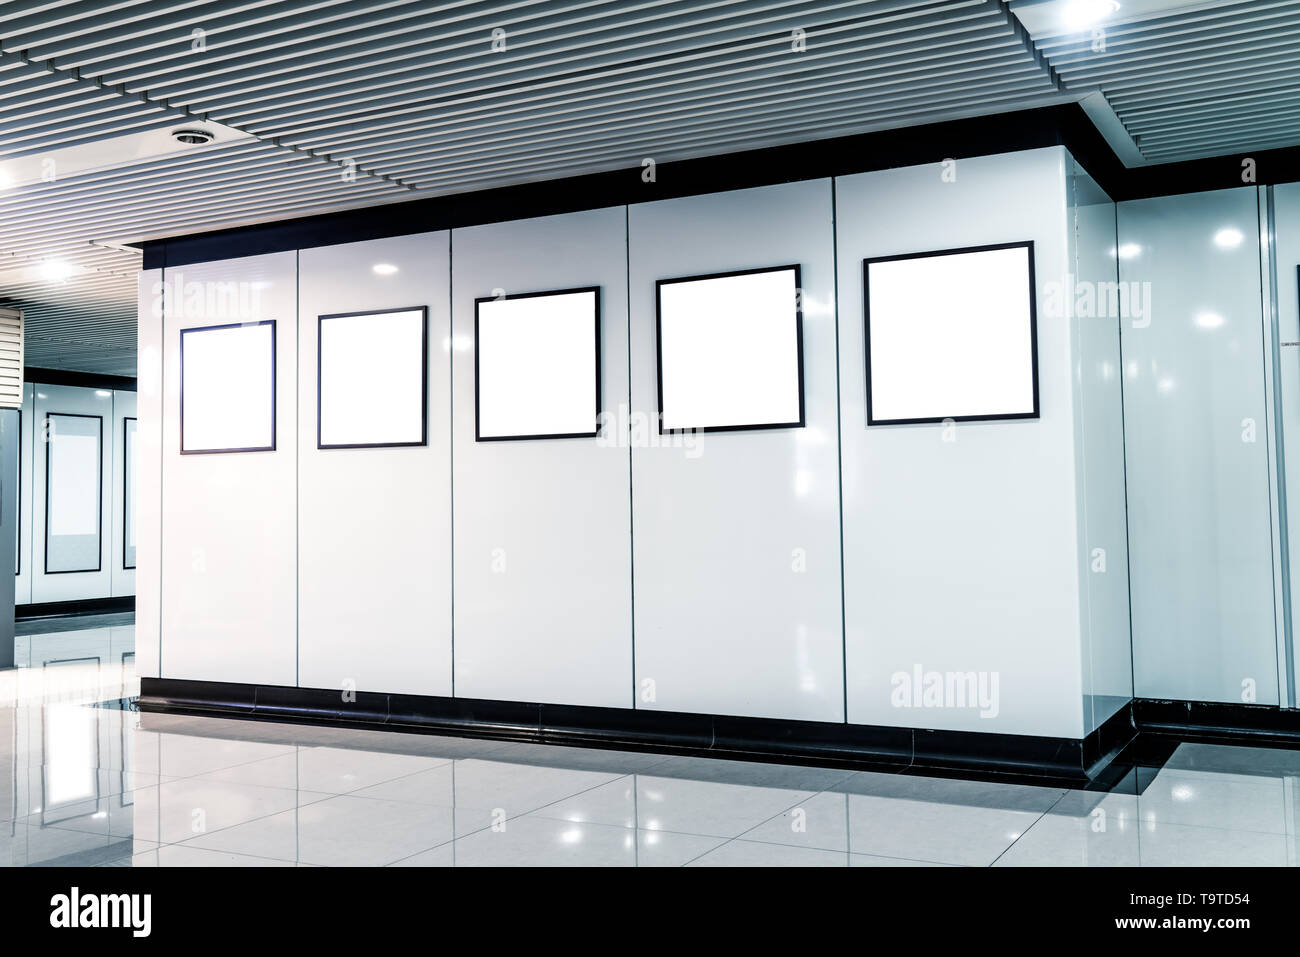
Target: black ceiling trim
1065, 125
86, 380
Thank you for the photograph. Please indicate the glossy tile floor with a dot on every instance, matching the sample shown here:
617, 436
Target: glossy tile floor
84, 780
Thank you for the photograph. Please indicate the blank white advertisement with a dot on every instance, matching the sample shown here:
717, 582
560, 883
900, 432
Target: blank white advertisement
73, 474
951, 336
537, 370
730, 351
128, 493
372, 370
228, 388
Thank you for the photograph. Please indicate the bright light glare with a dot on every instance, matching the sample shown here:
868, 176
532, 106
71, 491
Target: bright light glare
1081, 14
1228, 238
55, 270
1129, 250
383, 269
1209, 320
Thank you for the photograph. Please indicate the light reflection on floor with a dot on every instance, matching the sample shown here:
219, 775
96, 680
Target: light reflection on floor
89, 783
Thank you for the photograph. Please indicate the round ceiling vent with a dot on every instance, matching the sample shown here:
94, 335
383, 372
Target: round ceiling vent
192, 136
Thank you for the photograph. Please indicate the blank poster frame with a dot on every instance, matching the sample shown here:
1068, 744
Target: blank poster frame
424, 379
798, 331
274, 394
1033, 332
99, 501
126, 484
595, 419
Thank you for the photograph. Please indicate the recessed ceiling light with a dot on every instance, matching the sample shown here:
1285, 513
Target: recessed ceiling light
1081, 14
383, 269
115, 152
1129, 250
193, 135
1228, 238
1209, 320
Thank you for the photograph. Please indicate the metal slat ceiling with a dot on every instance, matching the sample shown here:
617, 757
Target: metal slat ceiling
1202, 80
420, 100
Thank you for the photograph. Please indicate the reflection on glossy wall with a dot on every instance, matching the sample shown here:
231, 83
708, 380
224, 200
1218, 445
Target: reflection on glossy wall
1196, 436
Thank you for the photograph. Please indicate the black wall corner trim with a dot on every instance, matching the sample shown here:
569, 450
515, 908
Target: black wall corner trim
71, 609
85, 380
1059, 761
1063, 125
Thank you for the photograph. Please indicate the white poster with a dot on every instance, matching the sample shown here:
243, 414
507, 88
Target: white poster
536, 365
372, 379
729, 351
951, 336
228, 388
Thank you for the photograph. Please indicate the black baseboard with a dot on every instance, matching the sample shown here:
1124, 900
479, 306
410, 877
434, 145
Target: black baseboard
1213, 721
1041, 760
70, 609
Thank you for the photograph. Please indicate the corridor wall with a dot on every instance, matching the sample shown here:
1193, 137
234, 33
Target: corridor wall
649, 570
543, 553
1282, 207
1197, 441
97, 494
229, 549
361, 624
965, 545
1095, 312
736, 541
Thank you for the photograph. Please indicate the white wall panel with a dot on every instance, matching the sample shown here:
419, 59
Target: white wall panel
27, 431
71, 585
123, 578
374, 530
961, 552
10, 456
1196, 436
229, 541
1099, 452
543, 577
736, 539
1286, 217
149, 473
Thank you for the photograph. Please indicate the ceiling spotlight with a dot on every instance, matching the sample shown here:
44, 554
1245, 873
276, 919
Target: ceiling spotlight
1081, 14
1129, 250
55, 270
1208, 320
192, 136
1228, 238
383, 269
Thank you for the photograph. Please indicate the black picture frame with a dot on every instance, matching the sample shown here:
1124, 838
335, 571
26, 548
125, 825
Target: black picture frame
99, 501
424, 379
596, 310
274, 395
798, 326
1031, 291
126, 485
